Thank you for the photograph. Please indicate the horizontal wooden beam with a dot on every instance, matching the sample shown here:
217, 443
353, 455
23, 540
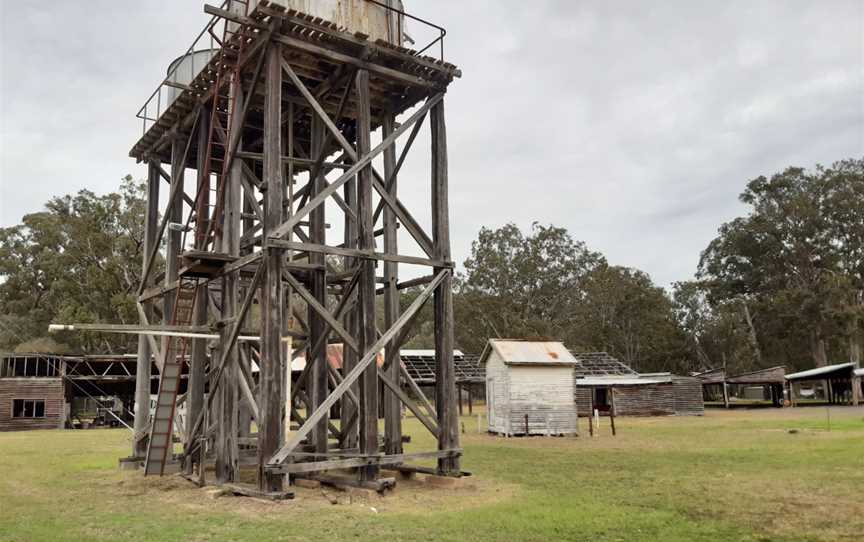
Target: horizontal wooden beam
356, 253
354, 462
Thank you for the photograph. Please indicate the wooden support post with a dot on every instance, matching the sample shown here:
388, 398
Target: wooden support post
470, 400
318, 288
270, 435
288, 301
856, 388
366, 285
612, 410
445, 381
250, 209
198, 358
392, 405
227, 446
349, 411
174, 215
143, 368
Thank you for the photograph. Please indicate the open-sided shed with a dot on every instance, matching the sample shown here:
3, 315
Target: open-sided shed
841, 381
716, 383
47, 391
529, 387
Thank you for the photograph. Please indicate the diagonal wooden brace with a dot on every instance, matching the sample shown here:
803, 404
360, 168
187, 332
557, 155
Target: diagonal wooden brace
367, 359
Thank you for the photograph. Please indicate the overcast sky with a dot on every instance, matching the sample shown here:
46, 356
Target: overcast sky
633, 124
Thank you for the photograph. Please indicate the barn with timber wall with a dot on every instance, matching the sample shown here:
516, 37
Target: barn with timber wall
529, 388
48, 391
32, 392
604, 383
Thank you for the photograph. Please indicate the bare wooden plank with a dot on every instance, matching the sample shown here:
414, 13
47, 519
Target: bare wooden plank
355, 462
357, 253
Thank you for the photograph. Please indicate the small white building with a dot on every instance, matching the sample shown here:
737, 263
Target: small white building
529, 387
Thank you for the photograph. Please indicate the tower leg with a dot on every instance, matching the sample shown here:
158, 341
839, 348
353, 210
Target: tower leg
366, 286
143, 367
270, 434
317, 325
392, 404
445, 382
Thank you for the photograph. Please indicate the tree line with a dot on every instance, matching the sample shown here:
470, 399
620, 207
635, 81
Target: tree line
781, 285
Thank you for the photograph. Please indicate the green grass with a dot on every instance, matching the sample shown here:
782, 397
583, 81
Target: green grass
728, 476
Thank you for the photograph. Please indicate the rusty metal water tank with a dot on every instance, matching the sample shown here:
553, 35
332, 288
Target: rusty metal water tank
378, 19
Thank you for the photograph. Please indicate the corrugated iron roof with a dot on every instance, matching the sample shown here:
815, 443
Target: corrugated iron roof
820, 371
600, 364
623, 380
859, 372
420, 365
519, 352
334, 356
425, 352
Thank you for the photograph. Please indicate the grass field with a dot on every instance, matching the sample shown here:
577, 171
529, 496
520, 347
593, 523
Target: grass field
728, 476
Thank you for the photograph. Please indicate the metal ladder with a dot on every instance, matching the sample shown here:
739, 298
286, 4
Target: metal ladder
161, 444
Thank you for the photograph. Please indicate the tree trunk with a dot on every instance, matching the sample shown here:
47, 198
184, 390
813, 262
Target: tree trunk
817, 347
754, 342
855, 339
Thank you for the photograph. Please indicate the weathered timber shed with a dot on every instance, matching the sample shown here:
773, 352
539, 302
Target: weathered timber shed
604, 383
716, 384
529, 387
47, 391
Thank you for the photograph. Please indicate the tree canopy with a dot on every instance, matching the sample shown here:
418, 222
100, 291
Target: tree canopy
79, 260
782, 284
793, 265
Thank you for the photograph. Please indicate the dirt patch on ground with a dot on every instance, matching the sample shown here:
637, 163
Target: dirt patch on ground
409, 496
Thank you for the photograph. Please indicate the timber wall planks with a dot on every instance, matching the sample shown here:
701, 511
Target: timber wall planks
48, 389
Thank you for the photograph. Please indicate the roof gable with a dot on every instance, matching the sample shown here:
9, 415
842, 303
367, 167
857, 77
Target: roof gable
519, 352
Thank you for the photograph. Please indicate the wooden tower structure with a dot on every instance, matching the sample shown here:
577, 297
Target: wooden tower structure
271, 134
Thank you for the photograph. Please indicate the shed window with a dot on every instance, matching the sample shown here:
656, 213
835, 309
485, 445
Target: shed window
28, 408
27, 366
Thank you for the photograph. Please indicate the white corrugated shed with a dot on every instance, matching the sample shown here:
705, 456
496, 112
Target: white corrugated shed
529, 387
819, 371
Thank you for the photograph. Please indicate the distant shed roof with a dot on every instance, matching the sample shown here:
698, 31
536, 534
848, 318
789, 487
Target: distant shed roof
859, 372
822, 372
420, 365
601, 364
714, 376
518, 352
771, 375
624, 380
